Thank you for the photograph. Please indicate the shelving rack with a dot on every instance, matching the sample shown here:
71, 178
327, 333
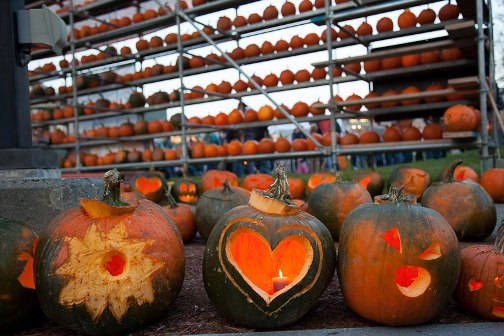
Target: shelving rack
327, 16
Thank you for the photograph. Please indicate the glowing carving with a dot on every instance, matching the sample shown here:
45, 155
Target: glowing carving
393, 238
412, 281
432, 252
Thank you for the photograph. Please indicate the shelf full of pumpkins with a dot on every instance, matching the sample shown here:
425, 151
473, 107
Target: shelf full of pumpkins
271, 258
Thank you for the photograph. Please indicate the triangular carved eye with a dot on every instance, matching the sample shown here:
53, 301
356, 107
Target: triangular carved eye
192, 188
474, 285
393, 238
432, 252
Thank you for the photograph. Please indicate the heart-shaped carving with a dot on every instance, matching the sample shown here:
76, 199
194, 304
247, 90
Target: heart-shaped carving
252, 256
148, 184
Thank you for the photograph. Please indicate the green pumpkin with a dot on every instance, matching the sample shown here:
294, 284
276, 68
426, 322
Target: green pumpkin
267, 263
136, 99
150, 184
17, 288
185, 191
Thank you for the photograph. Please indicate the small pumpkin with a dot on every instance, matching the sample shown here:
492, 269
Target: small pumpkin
214, 178
414, 180
398, 262
480, 287
19, 299
332, 202
182, 214
460, 173
185, 191
492, 180
150, 184
257, 181
271, 260
111, 266
372, 181
464, 204
214, 203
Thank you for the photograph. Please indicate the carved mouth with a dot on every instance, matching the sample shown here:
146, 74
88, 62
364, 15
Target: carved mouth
498, 311
412, 281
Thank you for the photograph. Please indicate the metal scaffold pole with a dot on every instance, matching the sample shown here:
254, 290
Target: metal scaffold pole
183, 119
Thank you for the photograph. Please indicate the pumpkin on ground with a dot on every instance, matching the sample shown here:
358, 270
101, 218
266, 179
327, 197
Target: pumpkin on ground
214, 178
296, 187
150, 184
332, 202
493, 182
480, 287
266, 263
414, 180
182, 214
464, 204
460, 173
185, 191
107, 266
257, 181
398, 262
372, 181
319, 178
214, 203
17, 291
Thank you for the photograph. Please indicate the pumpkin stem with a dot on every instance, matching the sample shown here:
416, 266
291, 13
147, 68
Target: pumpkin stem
226, 187
169, 197
499, 240
112, 192
395, 196
339, 177
279, 189
451, 170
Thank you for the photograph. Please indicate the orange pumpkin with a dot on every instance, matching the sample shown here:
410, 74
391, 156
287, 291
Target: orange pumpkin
492, 180
384, 24
215, 179
282, 145
286, 77
369, 137
183, 216
391, 134
459, 118
414, 180
407, 19
413, 101
317, 179
426, 16
266, 146
411, 134
449, 12
250, 147
257, 181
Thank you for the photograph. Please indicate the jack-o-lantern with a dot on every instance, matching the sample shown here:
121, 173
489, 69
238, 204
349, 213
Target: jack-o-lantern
398, 262
414, 180
215, 179
372, 181
150, 184
266, 263
216, 202
464, 204
332, 202
108, 266
17, 287
480, 288
257, 181
317, 179
185, 191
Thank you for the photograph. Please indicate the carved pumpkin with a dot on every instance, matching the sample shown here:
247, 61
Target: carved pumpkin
18, 298
296, 187
414, 180
319, 178
182, 214
150, 184
257, 181
398, 262
480, 288
110, 266
185, 191
215, 179
459, 174
271, 260
464, 204
332, 202
493, 182
214, 203
372, 181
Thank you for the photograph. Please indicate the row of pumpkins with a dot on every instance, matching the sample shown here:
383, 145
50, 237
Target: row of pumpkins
113, 265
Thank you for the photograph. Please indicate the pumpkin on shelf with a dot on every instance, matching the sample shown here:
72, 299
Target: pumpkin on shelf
214, 178
19, 299
185, 191
414, 180
332, 202
492, 180
271, 259
111, 266
460, 118
151, 184
466, 206
408, 261
182, 214
372, 181
257, 181
214, 203
481, 281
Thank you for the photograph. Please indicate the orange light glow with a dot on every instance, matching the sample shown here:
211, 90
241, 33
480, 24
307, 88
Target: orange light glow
280, 281
393, 238
475, 285
26, 278
365, 181
147, 185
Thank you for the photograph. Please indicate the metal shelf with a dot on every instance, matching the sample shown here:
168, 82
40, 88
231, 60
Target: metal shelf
199, 42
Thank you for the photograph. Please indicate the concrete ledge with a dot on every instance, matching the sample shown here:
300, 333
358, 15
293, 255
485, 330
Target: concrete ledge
37, 201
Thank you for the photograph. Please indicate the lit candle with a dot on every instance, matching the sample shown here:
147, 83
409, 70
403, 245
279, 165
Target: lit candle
280, 281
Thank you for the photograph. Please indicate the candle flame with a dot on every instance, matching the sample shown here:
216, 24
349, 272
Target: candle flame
280, 273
